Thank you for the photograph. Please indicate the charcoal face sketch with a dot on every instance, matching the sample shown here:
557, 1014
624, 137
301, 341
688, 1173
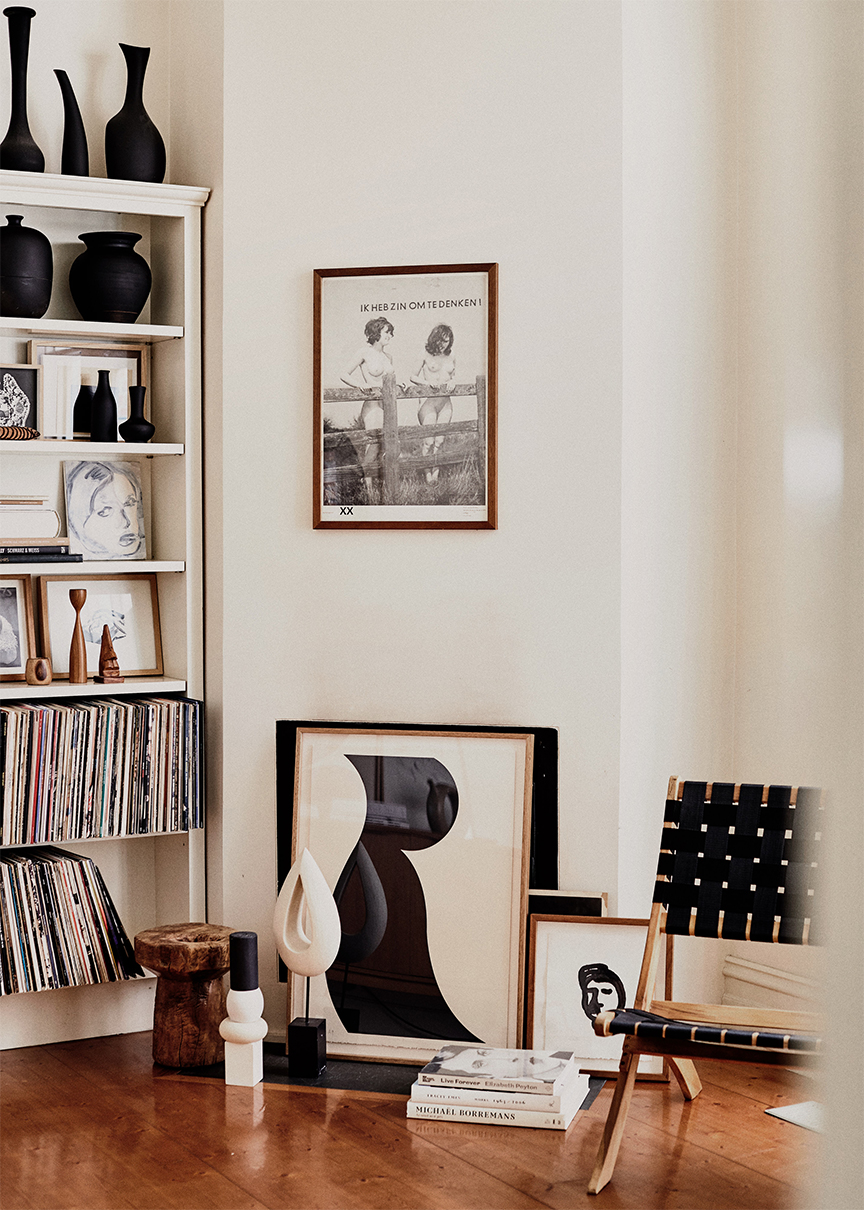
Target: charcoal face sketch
382, 981
105, 510
601, 988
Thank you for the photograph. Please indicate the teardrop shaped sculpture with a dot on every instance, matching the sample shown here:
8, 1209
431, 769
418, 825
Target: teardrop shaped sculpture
309, 949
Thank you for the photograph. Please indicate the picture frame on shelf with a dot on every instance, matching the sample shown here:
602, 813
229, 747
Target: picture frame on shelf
579, 966
67, 365
20, 396
423, 835
17, 628
128, 604
104, 509
405, 397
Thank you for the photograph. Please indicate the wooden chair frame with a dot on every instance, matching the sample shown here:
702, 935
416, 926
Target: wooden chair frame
680, 1053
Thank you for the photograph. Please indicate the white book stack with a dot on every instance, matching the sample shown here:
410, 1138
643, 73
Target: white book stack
500, 1087
24, 517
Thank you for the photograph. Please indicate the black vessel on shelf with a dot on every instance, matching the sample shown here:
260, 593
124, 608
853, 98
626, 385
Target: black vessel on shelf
136, 428
110, 282
134, 150
82, 412
18, 150
75, 159
26, 270
103, 411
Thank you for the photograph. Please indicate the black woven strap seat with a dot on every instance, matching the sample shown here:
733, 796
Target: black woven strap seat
642, 1024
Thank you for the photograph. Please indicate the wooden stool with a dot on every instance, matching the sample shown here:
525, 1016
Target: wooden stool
190, 960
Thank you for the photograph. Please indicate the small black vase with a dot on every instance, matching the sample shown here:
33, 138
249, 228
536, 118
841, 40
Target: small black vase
82, 412
134, 150
75, 160
103, 413
136, 428
18, 150
109, 281
26, 270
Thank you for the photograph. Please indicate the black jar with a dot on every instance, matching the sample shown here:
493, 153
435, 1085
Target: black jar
110, 282
26, 270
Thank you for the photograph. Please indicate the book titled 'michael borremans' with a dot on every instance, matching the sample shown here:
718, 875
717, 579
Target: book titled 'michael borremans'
533, 1071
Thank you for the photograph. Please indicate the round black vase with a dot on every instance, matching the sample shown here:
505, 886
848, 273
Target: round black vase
75, 159
26, 270
18, 150
103, 411
82, 412
134, 150
136, 428
110, 282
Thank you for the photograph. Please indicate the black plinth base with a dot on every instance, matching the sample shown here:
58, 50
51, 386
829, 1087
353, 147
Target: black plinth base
307, 1047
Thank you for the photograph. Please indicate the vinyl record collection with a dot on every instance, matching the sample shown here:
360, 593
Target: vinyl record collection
58, 925
103, 767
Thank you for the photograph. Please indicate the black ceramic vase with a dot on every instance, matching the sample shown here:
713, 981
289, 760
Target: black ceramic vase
18, 150
75, 159
136, 428
82, 412
134, 150
26, 270
103, 411
110, 282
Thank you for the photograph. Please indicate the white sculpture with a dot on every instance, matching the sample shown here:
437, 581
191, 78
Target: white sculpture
306, 923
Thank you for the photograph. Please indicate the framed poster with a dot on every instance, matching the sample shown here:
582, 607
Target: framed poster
423, 837
579, 966
127, 604
17, 630
405, 397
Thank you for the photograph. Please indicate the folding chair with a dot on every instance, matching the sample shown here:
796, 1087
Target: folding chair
738, 862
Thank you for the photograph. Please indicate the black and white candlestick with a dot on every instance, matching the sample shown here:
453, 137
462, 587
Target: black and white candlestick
243, 1029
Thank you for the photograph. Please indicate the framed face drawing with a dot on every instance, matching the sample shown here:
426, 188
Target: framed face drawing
423, 838
104, 510
128, 605
17, 633
579, 967
405, 397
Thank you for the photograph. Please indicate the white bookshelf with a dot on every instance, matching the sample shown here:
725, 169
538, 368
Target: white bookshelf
153, 879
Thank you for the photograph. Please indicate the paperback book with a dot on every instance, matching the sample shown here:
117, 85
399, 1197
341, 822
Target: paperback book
531, 1071
574, 1085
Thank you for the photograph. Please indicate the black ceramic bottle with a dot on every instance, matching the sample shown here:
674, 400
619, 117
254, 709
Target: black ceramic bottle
75, 160
103, 411
82, 412
136, 428
26, 270
110, 282
134, 150
18, 150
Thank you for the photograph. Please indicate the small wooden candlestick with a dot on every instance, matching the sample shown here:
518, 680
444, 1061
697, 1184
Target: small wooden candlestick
77, 651
109, 665
38, 671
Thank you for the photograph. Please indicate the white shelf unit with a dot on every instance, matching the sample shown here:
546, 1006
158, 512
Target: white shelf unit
156, 879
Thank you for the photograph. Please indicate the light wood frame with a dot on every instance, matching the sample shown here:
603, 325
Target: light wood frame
53, 639
475, 891
24, 624
391, 456
136, 354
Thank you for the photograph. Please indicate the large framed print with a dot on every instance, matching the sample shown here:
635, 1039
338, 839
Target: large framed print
423, 838
580, 966
405, 397
127, 604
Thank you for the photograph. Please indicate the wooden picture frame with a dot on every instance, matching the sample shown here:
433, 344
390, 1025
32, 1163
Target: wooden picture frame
405, 397
66, 364
443, 818
574, 964
17, 628
28, 381
129, 604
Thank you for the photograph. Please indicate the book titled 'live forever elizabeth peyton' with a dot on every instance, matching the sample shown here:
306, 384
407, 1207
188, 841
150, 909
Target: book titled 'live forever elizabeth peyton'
535, 1071
498, 1098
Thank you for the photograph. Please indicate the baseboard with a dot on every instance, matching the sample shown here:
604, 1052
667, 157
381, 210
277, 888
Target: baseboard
69, 1013
752, 985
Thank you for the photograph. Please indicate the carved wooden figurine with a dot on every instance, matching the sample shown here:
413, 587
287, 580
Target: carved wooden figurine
78, 652
109, 666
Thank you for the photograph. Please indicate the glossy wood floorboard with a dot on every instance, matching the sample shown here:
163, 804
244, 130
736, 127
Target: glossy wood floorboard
94, 1125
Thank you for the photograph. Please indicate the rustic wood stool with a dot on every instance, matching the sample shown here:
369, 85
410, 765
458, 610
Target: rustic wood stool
190, 960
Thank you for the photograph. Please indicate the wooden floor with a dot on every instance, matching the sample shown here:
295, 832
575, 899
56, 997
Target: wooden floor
94, 1125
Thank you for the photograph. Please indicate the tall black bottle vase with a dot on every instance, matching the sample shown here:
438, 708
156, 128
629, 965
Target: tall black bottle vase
18, 150
75, 159
134, 150
103, 411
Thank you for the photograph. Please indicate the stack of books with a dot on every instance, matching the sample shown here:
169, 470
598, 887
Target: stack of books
500, 1087
30, 532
